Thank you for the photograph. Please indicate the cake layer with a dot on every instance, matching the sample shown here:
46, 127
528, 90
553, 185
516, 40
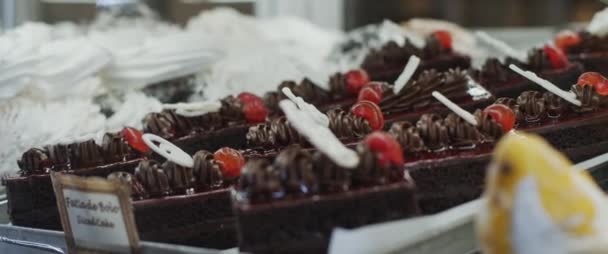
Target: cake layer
304, 225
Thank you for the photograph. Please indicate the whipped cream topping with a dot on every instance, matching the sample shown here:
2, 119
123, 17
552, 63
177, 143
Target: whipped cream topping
28, 123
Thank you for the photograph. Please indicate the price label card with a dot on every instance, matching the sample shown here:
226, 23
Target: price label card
96, 214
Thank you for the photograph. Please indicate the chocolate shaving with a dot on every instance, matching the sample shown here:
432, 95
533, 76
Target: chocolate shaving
259, 182
294, 167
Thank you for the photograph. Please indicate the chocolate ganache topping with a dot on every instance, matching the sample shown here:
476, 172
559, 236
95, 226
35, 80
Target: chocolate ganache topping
512, 104
159, 124
60, 156
370, 172
433, 48
555, 105
462, 134
259, 182
137, 189
494, 70
434, 132
153, 178
180, 178
531, 105
277, 132
407, 135
232, 110
452, 84
34, 161
115, 148
337, 84
488, 126
86, 154
311, 92
590, 99
207, 173
294, 167
331, 177
346, 125
538, 61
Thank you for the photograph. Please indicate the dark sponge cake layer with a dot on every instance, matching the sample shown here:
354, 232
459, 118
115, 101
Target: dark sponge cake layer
304, 225
202, 219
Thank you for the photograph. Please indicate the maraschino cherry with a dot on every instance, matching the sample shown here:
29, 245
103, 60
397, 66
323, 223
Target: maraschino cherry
597, 80
253, 107
246, 97
355, 80
371, 92
502, 115
134, 139
389, 150
567, 39
255, 112
231, 161
444, 37
557, 58
370, 112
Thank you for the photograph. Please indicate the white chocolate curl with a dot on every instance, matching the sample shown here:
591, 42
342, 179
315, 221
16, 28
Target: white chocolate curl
470, 118
168, 150
568, 96
310, 109
319, 136
194, 108
406, 75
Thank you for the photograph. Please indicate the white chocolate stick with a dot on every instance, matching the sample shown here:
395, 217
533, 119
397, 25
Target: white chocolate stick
502, 46
406, 75
470, 118
194, 108
568, 96
168, 150
310, 109
319, 136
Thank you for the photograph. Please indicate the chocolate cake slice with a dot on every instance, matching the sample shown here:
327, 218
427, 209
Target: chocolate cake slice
188, 206
210, 131
387, 63
447, 157
502, 82
292, 205
31, 200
